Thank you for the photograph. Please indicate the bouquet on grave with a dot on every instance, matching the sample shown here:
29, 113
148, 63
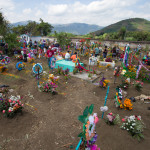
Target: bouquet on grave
49, 87
134, 125
11, 106
112, 119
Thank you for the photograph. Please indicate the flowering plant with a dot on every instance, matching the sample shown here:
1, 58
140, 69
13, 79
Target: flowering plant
11, 107
127, 104
3, 68
134, 125
112, 119
88, 134
108, 66
108, 60
104, 83
31, 60
48, 87
19, 57
138, 85
59, 70
132, 68
52, 78
125, 84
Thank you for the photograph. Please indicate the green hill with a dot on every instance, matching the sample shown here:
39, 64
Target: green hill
133, 24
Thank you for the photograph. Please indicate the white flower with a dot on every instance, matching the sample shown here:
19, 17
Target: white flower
127, 129
104, 108
124, 127
139, 117
133, 124
91, 119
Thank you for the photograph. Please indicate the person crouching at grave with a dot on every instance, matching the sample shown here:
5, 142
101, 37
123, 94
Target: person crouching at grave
67, 56
73, 57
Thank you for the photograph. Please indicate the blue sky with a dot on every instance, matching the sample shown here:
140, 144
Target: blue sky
100, 12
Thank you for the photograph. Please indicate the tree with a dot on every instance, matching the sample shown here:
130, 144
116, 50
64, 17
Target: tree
122, 33
4, 25
44, 28
63, 39
11, 39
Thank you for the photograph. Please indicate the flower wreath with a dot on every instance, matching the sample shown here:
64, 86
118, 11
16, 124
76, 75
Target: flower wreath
36, 67
52, 62
20, 66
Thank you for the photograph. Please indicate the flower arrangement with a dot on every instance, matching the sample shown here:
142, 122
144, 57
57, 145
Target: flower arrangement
52, 78
89, 75
138, 85
48, 87
117, 71
131, 68
22, 66
10, 107
134, 125
108, 60
31, 60
88, 134
19, 57
127, 104
125, 84
112, 119
3, 68
59, 70
118, 98
104, 83
108, 66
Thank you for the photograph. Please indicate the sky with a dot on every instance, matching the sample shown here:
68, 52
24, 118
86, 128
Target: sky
100, 12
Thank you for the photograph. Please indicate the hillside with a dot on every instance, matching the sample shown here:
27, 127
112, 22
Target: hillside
74, 28
133, 24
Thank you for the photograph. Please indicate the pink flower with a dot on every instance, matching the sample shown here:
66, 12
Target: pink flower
123, 120
16, 105
141, 83
96, 120
18, 101
110, 113
14, 102
9, 100
3, 111
9, 110
22, 105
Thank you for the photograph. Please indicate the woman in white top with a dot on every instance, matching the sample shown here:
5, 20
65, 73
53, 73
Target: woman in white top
67, 56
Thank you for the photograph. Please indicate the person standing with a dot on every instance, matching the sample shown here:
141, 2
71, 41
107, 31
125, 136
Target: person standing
6, 49
97, 51
50, 53
105, 52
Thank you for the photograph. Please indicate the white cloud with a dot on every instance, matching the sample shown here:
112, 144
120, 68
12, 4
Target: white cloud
101, 12
7, 5
38, 13
27, 11
57, 9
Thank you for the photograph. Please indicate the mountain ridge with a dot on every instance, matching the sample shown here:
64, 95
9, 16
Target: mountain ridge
132, 24
74, 28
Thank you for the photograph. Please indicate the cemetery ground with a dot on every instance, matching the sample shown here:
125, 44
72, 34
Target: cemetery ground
50, 122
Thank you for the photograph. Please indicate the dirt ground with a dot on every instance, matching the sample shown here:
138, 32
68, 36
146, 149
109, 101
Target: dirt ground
52, 122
